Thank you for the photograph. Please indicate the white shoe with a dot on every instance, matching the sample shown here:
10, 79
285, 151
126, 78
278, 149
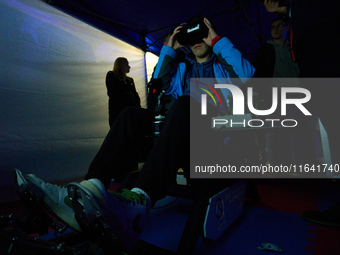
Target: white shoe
55, 199
123, 215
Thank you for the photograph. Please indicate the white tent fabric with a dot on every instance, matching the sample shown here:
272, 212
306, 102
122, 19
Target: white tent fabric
53, 98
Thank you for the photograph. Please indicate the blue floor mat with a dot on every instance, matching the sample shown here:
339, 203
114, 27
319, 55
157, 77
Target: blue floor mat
258, 225
165, 225
249, 231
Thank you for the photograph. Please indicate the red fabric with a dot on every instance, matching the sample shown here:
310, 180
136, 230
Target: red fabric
291, 45
215, 40
326, 240
290, 196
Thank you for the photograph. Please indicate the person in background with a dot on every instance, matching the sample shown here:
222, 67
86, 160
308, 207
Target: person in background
274, 60
120, 89
316, 39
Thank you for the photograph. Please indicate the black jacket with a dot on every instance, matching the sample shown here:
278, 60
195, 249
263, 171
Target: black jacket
121, 95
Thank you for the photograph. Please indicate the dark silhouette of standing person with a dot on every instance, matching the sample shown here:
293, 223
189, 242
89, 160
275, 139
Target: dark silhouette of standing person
120, 89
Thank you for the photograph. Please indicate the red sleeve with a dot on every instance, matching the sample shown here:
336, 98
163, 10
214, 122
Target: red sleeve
215, 40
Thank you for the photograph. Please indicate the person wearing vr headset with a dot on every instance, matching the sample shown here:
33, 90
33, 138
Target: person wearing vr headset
125, 214
211, 56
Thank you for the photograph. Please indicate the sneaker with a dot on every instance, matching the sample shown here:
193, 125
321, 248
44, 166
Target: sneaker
123, 215
54, 198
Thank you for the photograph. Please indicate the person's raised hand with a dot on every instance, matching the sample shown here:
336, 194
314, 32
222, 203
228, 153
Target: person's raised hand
173, 43
211, 33
273, 6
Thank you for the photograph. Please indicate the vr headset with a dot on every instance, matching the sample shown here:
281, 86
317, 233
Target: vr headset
192, 32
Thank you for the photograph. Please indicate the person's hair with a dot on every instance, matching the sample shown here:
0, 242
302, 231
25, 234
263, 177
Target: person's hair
277, 19
119, 68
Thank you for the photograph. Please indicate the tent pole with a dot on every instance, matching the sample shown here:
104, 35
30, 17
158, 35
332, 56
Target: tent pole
258, 22
142, 37
249, 23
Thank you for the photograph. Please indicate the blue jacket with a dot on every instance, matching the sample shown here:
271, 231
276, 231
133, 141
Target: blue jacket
228, 67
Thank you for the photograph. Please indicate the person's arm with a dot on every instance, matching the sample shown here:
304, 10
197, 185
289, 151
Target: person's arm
230, 57
166, 64
112, 85
114, 89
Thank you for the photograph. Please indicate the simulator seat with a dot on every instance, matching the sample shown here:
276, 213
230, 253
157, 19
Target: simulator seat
216, 204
